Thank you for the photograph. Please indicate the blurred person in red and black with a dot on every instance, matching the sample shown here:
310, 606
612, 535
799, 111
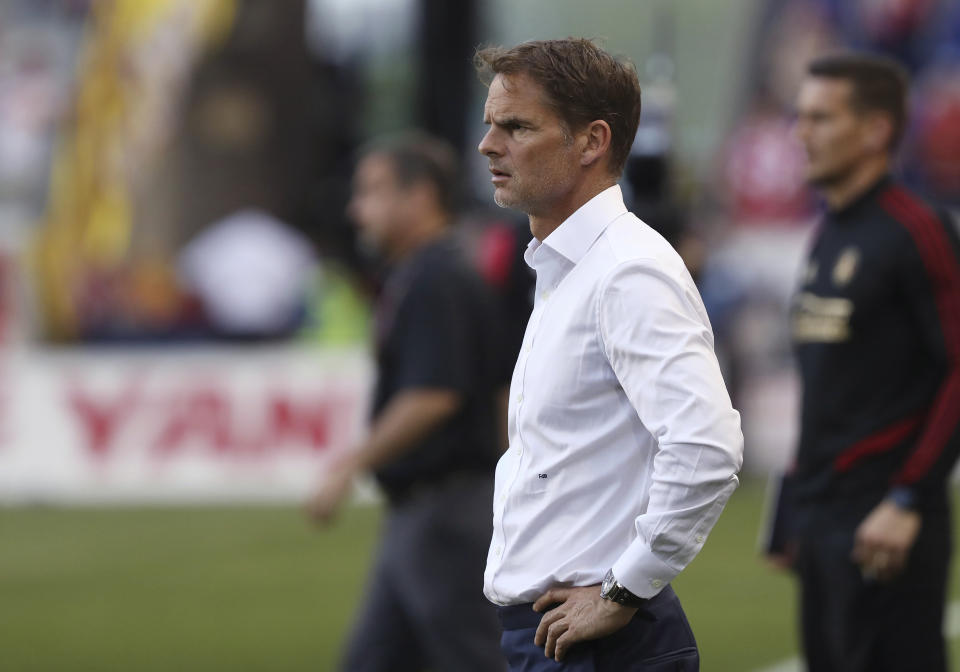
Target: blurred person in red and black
876, 329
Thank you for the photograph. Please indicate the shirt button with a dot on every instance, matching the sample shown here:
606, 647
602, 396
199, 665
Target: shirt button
656, 583
499, 551
519, 398
700, 538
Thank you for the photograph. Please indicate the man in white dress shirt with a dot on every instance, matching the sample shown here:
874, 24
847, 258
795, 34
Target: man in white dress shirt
624, 446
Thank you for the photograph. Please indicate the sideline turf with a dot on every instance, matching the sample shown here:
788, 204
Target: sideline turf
259, 589
164, 589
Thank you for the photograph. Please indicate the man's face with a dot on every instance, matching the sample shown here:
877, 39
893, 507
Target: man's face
532, 157
377, 203
833, 134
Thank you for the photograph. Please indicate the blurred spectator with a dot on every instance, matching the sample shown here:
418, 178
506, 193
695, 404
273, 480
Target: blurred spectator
499, 256
500, 260
933, 158
901, 28
139, 301
794, 32
432, 444
763, 168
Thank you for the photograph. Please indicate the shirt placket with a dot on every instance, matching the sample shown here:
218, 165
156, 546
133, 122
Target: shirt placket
543, 291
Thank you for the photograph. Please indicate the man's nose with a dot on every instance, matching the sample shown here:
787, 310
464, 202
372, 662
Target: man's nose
487, 145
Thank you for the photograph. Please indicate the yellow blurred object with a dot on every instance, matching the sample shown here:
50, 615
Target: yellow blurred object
134, 65
107, 237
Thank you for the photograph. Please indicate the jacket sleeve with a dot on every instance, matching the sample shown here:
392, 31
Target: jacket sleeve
930, 271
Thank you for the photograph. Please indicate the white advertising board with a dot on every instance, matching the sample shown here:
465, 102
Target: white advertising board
174, 424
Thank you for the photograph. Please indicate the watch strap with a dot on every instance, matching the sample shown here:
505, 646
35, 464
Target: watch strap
903, 497
615, 591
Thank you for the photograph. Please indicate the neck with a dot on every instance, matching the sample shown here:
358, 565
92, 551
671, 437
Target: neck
845, 191
426, 230
542, 225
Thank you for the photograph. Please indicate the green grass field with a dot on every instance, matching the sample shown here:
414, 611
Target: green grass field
259, 589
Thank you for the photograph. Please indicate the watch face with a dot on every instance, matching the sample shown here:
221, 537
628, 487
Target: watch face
607, 585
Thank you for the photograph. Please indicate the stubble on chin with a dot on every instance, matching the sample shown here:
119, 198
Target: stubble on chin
504, 201
826, 176
821, 180
515, 198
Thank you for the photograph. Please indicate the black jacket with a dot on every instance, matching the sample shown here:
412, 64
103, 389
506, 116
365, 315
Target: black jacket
437, 329
876, 327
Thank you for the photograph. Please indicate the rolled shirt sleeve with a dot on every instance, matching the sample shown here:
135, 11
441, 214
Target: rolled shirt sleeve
657, 338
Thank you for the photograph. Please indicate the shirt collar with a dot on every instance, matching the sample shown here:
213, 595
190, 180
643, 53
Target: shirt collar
577, 232
550, 266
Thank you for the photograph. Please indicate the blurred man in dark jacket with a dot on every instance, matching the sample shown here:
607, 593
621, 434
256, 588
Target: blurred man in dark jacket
432, 445
876, 324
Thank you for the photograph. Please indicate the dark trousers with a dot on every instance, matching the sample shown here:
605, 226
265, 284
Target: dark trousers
424, 607
852, 624
658, 639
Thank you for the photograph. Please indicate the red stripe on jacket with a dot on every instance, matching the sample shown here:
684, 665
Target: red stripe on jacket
878, 442
943, 270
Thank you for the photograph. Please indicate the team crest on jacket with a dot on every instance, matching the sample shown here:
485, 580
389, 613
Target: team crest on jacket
846, 266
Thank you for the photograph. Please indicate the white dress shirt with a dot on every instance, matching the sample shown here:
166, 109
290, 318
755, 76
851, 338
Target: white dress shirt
624, 446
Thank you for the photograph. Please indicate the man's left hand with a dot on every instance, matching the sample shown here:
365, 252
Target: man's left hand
580, 614
332, 490
883, 541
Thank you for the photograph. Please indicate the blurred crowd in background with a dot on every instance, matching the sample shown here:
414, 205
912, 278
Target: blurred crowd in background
177, 171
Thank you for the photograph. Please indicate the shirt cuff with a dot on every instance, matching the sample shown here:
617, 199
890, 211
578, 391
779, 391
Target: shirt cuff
904, 497
641, 572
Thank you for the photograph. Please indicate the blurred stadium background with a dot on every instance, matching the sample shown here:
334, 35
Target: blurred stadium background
183, 310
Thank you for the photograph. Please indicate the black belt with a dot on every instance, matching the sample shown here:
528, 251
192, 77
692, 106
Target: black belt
399, 495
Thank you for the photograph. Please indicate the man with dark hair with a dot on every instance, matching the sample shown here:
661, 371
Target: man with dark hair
876, 325
623, 445
878, 85
432, 445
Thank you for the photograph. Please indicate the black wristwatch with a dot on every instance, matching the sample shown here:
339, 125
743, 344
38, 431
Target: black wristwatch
613, 590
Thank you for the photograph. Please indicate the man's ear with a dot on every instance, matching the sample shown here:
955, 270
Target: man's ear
422, 195
596, 142
878, 129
